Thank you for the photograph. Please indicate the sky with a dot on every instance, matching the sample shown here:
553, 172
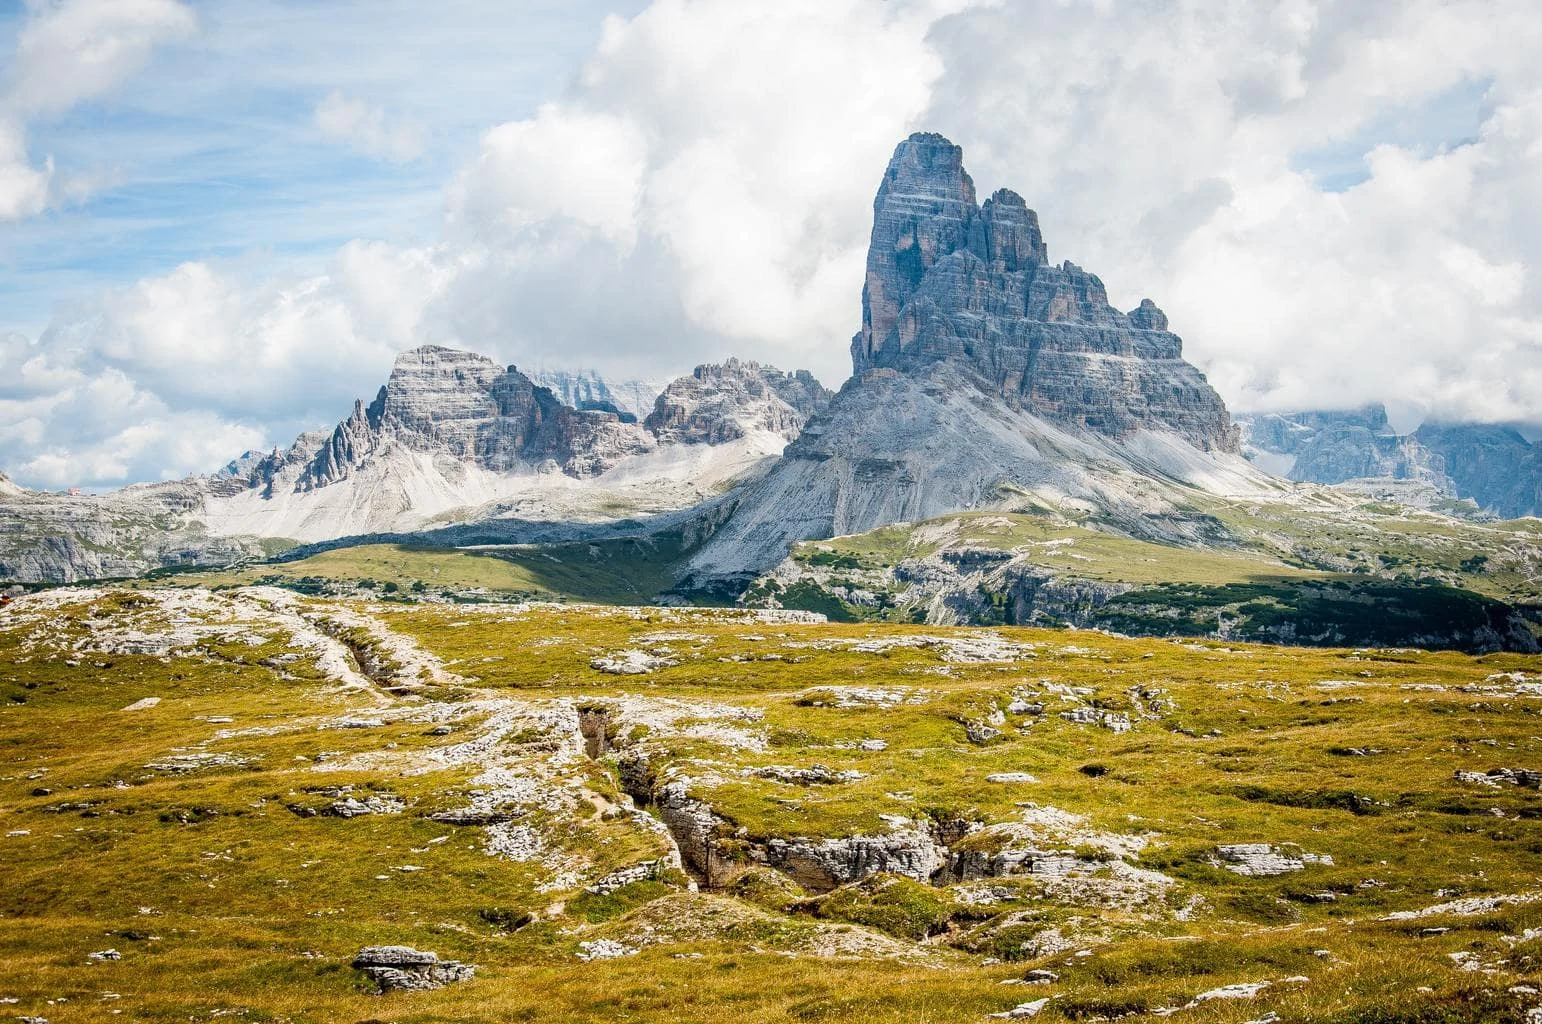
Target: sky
220, 220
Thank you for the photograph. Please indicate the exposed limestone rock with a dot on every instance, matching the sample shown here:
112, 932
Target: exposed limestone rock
817, 775
1494, 777
605, 949
68, 537
824, 864
631, 662
636, 873
947, 280
1262, 860
404, 968
1023, 1011
720, 403
1114, 721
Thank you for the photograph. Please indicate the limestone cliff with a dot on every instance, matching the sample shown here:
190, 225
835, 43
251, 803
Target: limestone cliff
1493, 466
949, 281
720, 403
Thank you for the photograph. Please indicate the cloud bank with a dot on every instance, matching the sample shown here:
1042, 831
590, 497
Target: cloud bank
1335, 203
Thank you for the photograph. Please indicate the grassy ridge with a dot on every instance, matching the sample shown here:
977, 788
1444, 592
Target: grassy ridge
255, 906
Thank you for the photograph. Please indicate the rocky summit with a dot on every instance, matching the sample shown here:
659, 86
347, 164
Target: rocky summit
971, 285
984, 375
718, 404
468, 407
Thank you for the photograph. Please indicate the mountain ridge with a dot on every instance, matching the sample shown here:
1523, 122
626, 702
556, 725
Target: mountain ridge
1492, 465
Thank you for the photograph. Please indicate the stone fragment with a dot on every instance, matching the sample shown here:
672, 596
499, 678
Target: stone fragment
1023, 1011
604, 949
1261, 860
816, 775
631, 662
407, 969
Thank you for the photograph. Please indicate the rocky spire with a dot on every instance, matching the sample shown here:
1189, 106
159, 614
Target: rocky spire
972, 286
924, 210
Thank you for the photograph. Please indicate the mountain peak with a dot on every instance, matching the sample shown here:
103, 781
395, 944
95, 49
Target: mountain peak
972, 286
927, 164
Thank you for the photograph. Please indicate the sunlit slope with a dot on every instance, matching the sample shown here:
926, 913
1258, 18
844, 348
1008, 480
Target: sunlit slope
833, 822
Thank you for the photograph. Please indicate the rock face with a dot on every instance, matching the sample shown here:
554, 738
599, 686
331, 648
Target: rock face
1494, 466
1331, 447
824, 864
721, 403
69, 537
467, 407
950, 281
407, 969
1262, 860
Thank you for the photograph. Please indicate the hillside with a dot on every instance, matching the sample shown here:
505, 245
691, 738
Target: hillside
212, 802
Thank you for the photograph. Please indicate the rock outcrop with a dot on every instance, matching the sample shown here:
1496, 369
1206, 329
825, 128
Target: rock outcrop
69, 537
722, 403
950, 281
403, 968
823, 864
1493, 465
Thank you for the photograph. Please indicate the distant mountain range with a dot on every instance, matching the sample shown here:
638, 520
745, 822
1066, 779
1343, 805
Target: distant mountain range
985, 377
1492, 466
588, 390
452, 437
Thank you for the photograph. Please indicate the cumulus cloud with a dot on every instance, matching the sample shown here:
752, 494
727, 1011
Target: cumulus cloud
178, 374
704, 188
23, 187
1171, 154
74, 50
366, 128
69, 51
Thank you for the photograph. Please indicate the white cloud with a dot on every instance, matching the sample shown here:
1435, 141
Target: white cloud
1161, 152
23, 187
704, 188
69, 51
74, 50
562, 166
365, 128
733, 149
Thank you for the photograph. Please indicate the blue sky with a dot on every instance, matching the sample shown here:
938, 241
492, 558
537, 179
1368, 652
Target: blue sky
221, 220
211, 151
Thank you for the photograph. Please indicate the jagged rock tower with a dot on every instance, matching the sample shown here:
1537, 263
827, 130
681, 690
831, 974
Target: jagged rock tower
951, 281
984, 376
